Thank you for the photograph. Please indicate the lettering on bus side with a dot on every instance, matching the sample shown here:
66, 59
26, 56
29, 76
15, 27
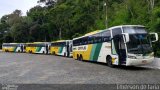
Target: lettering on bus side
74, 48
80, 48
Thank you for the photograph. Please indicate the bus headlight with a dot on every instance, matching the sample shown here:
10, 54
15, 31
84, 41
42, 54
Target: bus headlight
132, 57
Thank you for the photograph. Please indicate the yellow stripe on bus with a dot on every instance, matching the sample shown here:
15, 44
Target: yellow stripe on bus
85, 54
33, 49
54, 50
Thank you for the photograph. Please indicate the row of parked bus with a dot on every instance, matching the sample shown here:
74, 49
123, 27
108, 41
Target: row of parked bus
120, 45
62, 47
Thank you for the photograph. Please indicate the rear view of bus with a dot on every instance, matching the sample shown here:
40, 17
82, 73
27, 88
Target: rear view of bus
13, 47
120, 45
62, 48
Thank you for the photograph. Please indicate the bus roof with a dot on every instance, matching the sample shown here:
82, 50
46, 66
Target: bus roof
13, 43
91, 33
94, 32
126, 26
98, 31
60, 41
40, 42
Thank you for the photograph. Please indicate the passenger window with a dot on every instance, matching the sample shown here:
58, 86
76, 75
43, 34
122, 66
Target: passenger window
106, 36
90, 40
116, 31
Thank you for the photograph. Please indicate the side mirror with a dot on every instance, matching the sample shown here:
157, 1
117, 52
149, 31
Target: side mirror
154, 38
126, 37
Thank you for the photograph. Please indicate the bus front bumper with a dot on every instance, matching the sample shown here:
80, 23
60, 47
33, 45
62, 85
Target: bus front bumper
134, 62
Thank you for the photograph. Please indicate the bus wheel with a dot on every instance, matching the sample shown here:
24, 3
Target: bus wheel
64, 54
77, 57
19, 51
81, 58
54, 53
109, 61
43, 52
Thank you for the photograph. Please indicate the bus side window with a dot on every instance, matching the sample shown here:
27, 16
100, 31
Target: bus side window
106, 36
116, 31
91, 40
78, 42
74, 42
98, 38
82, 41
85, 41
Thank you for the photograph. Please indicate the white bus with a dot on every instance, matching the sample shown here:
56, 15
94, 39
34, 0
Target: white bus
61, 48
13, 47
127, 45
38, 47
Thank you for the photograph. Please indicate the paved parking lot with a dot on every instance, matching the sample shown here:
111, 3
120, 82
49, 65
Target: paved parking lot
22, 68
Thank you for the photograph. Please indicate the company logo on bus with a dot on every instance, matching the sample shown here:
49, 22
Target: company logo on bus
80, 48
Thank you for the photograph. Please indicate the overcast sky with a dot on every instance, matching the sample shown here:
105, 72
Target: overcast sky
8, 6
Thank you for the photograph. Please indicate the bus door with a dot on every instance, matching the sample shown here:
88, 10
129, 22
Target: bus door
24, 48
21, 46
70, 48
118, 46
47, 48
120, 50
67, 47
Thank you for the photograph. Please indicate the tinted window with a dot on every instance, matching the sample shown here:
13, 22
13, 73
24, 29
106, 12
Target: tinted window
90, 39
106, 36
116, 31
98, 38
133, 30
35, 45
58, 44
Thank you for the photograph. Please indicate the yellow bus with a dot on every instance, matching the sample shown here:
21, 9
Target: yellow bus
13, 47
38, 47
62, 48
120, 45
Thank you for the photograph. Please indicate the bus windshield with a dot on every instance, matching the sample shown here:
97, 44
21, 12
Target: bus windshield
134, 30
140, 42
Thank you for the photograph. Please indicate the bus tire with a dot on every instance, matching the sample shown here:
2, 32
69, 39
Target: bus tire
77, 57
19, 51
81, 58
54, 53
64, 54
43, 52
109, 61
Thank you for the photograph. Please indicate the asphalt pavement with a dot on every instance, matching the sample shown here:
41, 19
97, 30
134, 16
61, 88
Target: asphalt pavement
22, 68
